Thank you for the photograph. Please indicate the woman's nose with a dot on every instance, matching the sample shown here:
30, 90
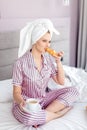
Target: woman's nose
48, 45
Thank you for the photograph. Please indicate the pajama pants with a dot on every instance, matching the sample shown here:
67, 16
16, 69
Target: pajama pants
66, 96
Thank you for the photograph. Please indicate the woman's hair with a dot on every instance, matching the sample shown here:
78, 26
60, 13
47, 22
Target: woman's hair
48, 31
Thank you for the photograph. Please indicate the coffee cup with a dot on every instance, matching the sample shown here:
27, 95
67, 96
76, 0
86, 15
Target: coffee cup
33, 104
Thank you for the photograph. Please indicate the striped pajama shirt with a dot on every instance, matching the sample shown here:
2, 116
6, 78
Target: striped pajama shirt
33, 85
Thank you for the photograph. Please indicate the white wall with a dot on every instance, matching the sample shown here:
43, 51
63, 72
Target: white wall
33, 8
14, 14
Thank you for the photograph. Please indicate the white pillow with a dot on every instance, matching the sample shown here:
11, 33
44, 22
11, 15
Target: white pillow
6, 89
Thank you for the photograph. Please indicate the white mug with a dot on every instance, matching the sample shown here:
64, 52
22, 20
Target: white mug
33, 104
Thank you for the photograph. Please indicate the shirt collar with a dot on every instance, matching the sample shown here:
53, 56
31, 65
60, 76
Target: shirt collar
32, 59
44, 59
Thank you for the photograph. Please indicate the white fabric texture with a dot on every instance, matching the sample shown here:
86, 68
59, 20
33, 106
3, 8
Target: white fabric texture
32, 32
75, 77
6, 89
78, 78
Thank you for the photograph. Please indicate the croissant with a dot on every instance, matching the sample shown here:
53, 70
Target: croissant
51, 52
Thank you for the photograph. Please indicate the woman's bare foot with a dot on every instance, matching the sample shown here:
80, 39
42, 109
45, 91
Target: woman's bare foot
51, 116
35, 126
64, 111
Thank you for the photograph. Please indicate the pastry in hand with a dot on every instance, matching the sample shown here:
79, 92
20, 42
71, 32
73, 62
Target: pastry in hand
52, 52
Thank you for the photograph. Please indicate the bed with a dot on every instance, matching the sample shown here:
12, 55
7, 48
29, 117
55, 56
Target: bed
75, 119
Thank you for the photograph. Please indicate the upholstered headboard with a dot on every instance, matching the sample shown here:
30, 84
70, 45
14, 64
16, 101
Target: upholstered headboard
9, 42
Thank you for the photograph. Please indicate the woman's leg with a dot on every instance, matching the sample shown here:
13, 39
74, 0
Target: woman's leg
29, 119
57, 100
55, 106
35, 119
64, 97
51, 116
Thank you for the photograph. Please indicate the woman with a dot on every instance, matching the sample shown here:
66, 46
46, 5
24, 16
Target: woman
32, 72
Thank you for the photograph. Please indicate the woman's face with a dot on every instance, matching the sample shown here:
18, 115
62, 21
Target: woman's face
43, 42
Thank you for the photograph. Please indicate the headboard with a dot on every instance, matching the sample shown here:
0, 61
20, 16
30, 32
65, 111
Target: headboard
9, 42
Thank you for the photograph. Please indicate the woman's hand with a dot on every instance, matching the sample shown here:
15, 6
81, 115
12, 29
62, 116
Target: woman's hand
54, 53
22, 104
60, 76
60, 55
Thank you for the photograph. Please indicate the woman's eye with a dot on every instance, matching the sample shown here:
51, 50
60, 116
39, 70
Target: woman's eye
49, 41
44, 41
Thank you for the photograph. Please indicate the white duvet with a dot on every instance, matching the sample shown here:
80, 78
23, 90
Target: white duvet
78, 78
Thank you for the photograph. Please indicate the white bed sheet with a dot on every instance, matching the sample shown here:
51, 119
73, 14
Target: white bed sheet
76, 119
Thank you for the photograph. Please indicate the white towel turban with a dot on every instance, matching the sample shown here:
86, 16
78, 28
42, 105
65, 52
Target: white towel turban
32, 32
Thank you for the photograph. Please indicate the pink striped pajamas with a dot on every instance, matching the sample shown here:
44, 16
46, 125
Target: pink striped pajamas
34, 84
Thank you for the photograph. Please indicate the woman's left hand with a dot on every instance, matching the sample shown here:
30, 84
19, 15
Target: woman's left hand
60, 55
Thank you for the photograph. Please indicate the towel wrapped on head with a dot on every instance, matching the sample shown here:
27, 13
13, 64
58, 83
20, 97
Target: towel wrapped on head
32, 32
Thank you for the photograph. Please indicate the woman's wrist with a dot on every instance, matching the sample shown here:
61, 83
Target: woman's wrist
58, 62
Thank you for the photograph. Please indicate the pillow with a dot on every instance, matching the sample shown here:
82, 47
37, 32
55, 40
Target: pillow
6, 88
